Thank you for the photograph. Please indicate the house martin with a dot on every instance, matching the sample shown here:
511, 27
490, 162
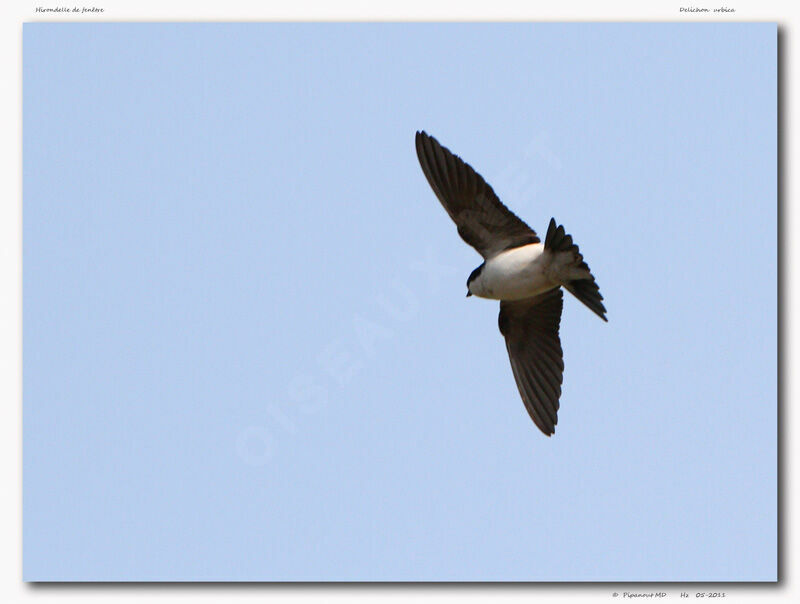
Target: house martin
525, 274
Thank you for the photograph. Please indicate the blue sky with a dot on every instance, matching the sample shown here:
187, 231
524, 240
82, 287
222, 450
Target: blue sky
247, 350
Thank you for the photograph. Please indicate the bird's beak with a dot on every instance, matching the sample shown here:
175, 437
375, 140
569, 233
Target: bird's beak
469, 293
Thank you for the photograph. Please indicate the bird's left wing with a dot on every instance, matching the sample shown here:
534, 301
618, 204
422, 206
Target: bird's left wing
482, 219
530, 328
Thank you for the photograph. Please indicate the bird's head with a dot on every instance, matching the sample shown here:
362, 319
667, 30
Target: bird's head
472, 277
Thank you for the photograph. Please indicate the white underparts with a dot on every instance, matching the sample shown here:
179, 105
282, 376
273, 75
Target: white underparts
523, 272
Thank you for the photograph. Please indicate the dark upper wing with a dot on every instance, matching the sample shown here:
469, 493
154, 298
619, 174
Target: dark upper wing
482, 219
530, 328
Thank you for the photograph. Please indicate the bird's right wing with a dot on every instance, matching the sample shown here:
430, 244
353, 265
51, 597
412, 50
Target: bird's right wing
482, 219
530, 328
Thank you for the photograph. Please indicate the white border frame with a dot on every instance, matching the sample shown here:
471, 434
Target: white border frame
12, 589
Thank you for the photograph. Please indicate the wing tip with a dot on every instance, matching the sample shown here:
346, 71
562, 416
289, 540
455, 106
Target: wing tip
418, 139
422, 137
546, 430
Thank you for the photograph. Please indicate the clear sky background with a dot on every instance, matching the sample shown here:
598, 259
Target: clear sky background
247, 350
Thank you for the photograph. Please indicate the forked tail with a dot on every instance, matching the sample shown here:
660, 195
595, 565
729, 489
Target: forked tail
584, 289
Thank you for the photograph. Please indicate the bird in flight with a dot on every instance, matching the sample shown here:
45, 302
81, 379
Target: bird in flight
525, 274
